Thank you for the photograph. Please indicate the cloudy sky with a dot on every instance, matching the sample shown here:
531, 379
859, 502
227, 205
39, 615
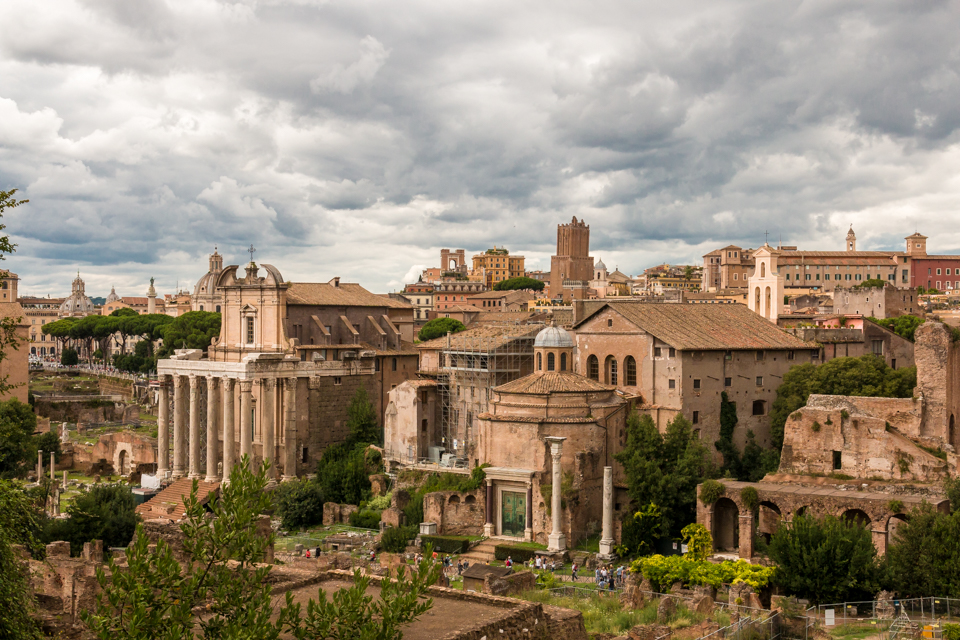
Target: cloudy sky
356, 138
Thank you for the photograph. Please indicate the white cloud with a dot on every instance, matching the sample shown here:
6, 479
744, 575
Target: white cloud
373, 55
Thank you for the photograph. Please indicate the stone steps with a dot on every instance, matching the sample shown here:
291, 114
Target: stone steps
482, 553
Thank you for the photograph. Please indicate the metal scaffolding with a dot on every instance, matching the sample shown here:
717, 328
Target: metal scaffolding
471, 364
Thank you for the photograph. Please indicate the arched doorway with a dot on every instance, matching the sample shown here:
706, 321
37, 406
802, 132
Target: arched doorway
726, 525
769, 518
856, 515
893, 524
610, 370
122, 462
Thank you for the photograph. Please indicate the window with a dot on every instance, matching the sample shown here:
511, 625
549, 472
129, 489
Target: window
563, 362
938, 272
201, 307
609, 322
758, 408
337, 381
728, 382
611, 370
790, 355
759, 381
759, 355
630, 371
728, 355
671, 384
837, 460
393, 365
877, 347
657, 352
306, 455
249, 330
696, 383
593, 368
551, 362
539, 362
696, 417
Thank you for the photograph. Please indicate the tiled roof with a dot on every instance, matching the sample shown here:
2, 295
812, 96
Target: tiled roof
484, 338
545, 382
705, 327
406, 349
421, 383
348, 294
169, 502
494, 317
132, 300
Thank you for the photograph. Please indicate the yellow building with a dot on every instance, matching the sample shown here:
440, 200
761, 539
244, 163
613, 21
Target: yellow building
496, 265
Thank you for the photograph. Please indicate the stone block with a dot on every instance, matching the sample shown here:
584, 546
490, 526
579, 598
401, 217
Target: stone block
648, 632
391, 517
703, 605
331, 513
93, 551
58, 549
379, 484
665, 610
345, 511
428, 528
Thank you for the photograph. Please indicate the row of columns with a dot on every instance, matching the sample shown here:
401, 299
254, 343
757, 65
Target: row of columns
221, 417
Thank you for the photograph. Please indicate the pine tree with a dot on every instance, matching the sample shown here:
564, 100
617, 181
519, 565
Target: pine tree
362, 419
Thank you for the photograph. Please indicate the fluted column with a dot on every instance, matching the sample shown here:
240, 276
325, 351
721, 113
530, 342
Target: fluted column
556, 541
290, 430
606, 538
194, 427
229, 429
268, 391
246, 434
212, 436
179, 428
163, 430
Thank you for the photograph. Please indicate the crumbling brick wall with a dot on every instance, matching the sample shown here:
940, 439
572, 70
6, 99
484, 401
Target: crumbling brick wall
455, 512
938, 374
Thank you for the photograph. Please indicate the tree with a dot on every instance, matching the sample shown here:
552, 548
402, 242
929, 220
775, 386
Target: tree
362, 419
18, 447
872, 283
867, 375
223, 572
439, 327
520, 282
828, 560
105, 512
664, 470
192, 330
904, 326
69, 357
19, 524
342, 473
299, 504
924, 556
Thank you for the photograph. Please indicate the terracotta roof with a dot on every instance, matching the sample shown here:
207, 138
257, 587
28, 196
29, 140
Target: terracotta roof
546, 382
484, 338
169, 502
348, 294
406, 349
493, 317
459, 308
705, 327
421, 383
132, 300
12, 310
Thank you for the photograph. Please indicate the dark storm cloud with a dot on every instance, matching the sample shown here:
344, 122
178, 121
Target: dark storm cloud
356, 138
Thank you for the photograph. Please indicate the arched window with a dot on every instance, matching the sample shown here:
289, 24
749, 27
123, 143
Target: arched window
763, 269
201, 307
539, 362
630, 371
593, 368
758, 408
610, 370
563, 362
218, 308
551, 362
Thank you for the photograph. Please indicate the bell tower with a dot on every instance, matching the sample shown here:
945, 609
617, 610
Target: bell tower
851, 240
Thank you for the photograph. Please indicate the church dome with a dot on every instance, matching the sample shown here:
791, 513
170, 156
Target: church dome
113, 297
78, 302
599, 266
553, 338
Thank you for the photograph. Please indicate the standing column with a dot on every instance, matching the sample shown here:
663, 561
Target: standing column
229, 431
179, 429
290, 430
606, 538
488, 528
246, 437
53, 462
528, 531
40, 466
194, 427
212, 436
163, 430
268, 391
557, 541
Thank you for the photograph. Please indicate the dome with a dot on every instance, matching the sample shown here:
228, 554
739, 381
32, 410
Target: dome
553, 337
599, 266
77, 304
113, 297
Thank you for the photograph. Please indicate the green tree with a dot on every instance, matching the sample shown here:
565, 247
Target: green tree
18, 446
924, 556
828, 560
867, 375
642, 530
59, 331
951, 487
665, 469
19, 524
192, 330
342, 473
362, 419
105, 512
299, 504
69, 357
872, 283
439, 327
520, 282
904, 326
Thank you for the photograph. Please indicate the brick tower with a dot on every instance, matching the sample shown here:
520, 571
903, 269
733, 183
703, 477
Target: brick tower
572, 262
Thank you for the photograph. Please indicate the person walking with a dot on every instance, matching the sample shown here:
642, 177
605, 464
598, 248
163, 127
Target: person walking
573, 571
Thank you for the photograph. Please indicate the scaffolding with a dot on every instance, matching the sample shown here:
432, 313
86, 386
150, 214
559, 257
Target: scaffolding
470, 365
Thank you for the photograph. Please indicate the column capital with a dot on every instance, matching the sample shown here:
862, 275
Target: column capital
194, 381
246, 385
290, 381
268, 383
211, 382
228, 383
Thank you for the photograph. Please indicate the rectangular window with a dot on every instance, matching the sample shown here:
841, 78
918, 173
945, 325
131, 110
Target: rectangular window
790, 355
877, 347
656, 352
728, 382
728, 355
696, 417
671, 384
249, 330
337, 380
673, 352
806, 276
759, 355
696, 383
938, 272
759, 381
837, 461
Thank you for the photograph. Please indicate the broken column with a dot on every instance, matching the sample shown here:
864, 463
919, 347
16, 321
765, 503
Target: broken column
488, 528
53, 473
606, 538
556, 541
39, 466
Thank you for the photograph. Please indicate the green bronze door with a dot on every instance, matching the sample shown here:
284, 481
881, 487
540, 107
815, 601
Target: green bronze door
513, 516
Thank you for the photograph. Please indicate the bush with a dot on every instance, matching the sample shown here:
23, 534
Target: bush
663, 571
299, 504
395, 539
343, 474
69, 357
105, 512
516, 553
951, 632
365, 519
379, 503
447, 544
711, 491
439, 327
750, 498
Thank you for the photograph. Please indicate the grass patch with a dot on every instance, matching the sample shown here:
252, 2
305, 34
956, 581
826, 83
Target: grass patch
852, 631
591, 544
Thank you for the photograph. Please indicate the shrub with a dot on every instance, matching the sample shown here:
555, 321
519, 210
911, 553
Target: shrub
69, 357
516, 553
951, 632
711, 491
379, 503
663, 571
447, 544
815, 427
365, 519
395, 539
343, 473
299, 504
750, 498
439, 327
698, 540
106, 512
895, 506
844, 414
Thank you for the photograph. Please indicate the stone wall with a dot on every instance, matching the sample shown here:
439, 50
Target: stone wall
329, 399
938, 374
334, 513
124, 451
457, 513
87, 411
116, 387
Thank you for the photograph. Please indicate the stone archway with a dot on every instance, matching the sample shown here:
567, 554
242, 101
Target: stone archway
894, 523
769, 518
122, 462
726, 525
856, 515
123, 458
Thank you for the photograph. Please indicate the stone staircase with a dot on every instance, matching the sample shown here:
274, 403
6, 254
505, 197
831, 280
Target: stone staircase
482, 553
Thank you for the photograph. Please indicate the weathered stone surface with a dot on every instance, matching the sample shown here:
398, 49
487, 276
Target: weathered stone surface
331, 513
391, 517
665, 610
379, 484
885, 608
648, 632
703, 605
345, 511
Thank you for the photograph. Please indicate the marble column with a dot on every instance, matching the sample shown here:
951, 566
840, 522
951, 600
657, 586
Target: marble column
163, 430
40, 466
53, 463
556, 541
212, 435
246, 435
488, 528
179, 428
268, 394
528, 531
194, 427
229, 430
606, 537
290, 430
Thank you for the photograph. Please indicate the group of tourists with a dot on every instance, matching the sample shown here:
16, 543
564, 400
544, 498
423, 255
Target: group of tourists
608, 578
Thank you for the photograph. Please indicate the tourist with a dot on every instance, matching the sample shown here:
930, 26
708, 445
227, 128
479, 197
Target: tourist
538, 565
573, 571
509, 563
596, 575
